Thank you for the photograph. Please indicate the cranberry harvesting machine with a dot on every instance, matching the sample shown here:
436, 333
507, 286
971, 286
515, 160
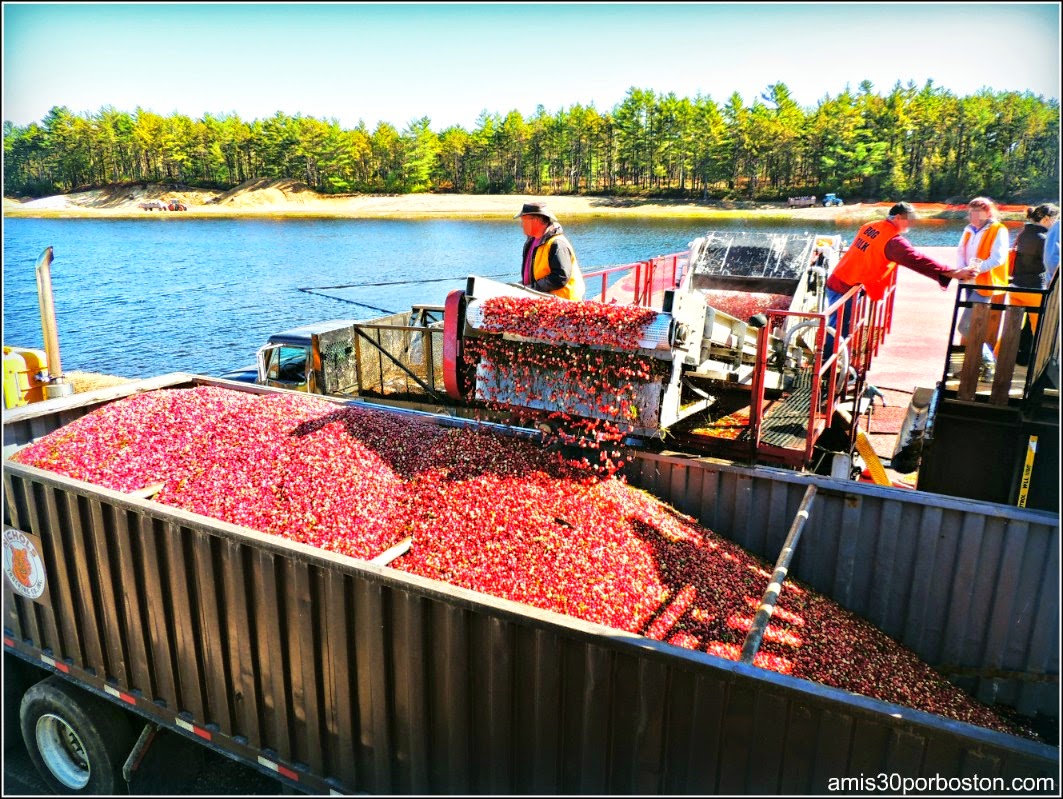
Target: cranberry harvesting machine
731, 362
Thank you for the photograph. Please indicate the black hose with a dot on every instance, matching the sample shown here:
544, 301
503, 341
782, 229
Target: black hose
396, 283
349, 302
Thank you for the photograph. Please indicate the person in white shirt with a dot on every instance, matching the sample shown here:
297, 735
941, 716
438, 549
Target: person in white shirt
1051, 251
984, 243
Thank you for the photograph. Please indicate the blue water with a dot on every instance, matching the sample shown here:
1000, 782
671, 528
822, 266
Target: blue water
138, 298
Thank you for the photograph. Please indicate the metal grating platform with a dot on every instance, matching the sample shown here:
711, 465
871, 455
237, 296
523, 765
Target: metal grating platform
786, 423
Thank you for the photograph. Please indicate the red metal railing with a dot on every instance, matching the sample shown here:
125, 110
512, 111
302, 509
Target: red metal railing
649, 279
869, 323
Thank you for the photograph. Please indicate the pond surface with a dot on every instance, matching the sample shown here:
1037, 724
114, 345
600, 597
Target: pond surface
138, 298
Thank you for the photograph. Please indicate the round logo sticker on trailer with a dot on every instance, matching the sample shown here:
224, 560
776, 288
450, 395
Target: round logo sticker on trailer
23, 565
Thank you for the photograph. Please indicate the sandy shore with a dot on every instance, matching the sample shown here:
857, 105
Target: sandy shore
286, 198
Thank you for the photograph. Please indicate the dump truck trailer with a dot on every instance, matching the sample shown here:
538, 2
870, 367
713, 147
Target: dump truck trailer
340, 675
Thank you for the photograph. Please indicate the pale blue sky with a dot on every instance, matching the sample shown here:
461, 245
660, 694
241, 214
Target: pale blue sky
450, 61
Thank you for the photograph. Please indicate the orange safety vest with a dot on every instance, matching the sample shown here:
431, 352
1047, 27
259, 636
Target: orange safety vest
1026, 299
575, 287
865, 262
999, 275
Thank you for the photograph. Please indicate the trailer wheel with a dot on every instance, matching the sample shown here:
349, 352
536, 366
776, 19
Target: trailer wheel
77, 741
19, 676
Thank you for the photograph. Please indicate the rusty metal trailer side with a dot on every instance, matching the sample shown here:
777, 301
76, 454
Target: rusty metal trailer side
971, 587
340, 675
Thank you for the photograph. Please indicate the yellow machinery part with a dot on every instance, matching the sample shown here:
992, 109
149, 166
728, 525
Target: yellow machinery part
21, 367
874, 465
1027, 471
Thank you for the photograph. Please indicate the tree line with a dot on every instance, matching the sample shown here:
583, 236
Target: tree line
920, 143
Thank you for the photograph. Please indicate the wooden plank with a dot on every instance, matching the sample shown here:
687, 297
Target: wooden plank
972, 355
883, 562
871, 741
1007, 353
428, 349
546, 711
708, 498
1025, 603
904, 752
148, 491
453, 671
677, 487
391, 554
980, 608
834, 736
707, 702
1043, 652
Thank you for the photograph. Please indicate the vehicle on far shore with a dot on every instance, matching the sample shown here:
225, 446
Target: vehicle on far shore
162, 205
801, 202
832, 199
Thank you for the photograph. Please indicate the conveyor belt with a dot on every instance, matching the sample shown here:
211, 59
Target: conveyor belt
751, 261
786, 422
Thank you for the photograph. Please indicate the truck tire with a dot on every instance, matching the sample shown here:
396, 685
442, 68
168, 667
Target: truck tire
77, 741
18, 677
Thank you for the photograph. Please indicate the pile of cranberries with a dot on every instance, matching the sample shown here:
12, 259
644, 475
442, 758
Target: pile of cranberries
552, 319
485, 511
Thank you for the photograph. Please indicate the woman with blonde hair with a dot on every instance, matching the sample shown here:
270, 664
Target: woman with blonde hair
984, 244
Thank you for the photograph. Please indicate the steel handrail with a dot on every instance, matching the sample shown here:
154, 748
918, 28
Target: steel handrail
869, 323
645, 274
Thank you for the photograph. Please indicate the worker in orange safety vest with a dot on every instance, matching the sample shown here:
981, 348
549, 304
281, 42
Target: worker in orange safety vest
877, 250
548, 260
984, 243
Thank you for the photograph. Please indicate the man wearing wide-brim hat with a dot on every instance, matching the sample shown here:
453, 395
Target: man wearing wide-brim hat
549, 262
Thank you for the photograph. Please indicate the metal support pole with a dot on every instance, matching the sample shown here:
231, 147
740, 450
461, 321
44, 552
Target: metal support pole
771, 593
56, 385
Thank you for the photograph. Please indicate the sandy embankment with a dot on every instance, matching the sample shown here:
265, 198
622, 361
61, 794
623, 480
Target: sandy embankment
288, 198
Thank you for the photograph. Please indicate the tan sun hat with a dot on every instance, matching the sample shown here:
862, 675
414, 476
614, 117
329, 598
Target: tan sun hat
537, 208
